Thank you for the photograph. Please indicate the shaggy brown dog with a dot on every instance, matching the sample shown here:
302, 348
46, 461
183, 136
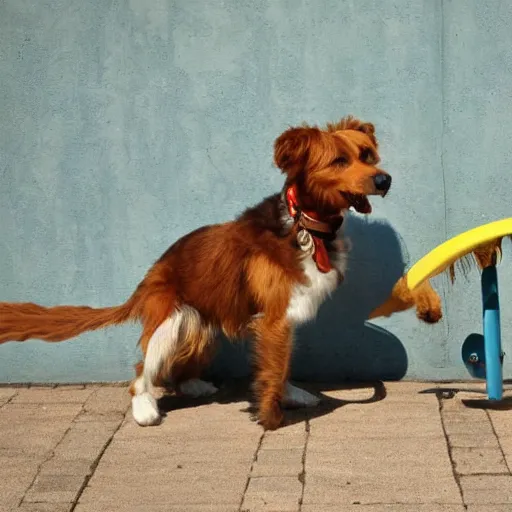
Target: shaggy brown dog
263, 273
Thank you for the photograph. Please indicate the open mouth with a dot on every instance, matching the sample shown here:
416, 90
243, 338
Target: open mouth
358, 202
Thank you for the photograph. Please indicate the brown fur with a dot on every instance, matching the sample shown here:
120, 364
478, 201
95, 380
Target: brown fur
21, 322
424, 298
229, 273
483, 256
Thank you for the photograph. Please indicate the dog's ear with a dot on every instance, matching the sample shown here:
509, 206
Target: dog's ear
369, 130
351, 123
292, 149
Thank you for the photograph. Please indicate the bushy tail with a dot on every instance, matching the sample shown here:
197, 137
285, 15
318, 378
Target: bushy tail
23, 321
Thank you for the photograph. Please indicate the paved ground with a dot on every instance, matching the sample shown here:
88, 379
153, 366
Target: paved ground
386, 447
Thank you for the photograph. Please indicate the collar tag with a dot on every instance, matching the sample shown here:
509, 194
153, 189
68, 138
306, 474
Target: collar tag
318, 229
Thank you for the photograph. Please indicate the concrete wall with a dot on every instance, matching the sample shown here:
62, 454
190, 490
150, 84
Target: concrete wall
125, 124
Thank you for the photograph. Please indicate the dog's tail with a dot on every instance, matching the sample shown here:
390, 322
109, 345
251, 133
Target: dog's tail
23, 321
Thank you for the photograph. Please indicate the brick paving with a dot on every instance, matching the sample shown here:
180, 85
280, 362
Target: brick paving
391, 447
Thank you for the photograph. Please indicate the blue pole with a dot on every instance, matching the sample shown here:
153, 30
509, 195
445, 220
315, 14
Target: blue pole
492, 335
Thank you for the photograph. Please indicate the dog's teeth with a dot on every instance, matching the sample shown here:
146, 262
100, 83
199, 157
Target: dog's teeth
352, 209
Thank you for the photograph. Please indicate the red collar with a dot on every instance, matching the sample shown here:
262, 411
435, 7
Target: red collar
319, 228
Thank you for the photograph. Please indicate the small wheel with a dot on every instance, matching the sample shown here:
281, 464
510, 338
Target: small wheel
473, 355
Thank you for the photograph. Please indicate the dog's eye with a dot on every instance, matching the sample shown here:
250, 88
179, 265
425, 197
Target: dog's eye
368, 156
340, 161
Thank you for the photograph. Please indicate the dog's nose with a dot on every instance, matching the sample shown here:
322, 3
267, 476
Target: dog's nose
382, 182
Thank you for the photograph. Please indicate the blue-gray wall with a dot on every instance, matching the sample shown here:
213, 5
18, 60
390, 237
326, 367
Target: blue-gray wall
125, 124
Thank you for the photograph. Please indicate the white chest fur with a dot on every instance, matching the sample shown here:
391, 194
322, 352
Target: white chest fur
306, 299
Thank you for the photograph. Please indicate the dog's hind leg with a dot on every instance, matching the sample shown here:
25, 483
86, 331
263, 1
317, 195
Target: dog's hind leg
161, 344
176, 352
195, 351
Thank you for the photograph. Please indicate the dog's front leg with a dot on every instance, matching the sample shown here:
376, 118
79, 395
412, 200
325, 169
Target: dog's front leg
273, 345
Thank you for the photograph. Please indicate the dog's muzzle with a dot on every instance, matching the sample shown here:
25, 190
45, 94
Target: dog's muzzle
382, 182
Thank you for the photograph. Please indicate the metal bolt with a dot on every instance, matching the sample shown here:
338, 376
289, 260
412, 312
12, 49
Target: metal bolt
473, 358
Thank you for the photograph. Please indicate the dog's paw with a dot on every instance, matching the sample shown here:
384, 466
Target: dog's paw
197, 387
430, 315
295, 397
271, 418
145, 410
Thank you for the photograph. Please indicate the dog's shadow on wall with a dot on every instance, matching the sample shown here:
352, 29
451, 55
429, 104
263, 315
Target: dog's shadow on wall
340, 345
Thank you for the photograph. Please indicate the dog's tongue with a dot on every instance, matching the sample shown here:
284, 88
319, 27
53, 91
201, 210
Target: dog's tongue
362, 205
320, 256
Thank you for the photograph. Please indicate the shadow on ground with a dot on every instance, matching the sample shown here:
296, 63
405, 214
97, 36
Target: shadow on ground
238, 390
480, 401
340, 345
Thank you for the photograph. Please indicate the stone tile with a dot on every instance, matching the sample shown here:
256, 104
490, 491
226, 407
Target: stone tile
385, 507
385, 455
40, 412
216, 412
45, 507
470, 461
179, 468
381, 419
156, 507
285, 440
61, 395
148, 452
388, 455
273, 494
58, 488
125, 484
410, 489
85, 440
417, 470
463, 413
506, 445
489, 508
197, 426
294, 429
199, 429
394, 408
487, 489
465, 386
108, 400
67, 466
457, 403
470, 422
15, 479
477, 389
278, 463
90, 417
6, 394
349, 394
31, 438
501, 421
473, 441
411, 392
378, 427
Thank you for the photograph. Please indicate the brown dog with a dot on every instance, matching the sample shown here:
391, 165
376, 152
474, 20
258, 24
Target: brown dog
263, 273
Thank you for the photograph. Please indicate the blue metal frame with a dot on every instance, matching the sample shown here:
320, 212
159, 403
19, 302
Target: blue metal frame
492, 334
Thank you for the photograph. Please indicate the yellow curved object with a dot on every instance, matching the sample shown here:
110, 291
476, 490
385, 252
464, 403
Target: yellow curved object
437, 260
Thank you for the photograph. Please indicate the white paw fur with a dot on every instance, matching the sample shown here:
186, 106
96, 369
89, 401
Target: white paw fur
197, 387
145, 410
296, 397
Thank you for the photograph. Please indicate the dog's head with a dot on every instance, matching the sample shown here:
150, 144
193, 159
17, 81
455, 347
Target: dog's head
333, 168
